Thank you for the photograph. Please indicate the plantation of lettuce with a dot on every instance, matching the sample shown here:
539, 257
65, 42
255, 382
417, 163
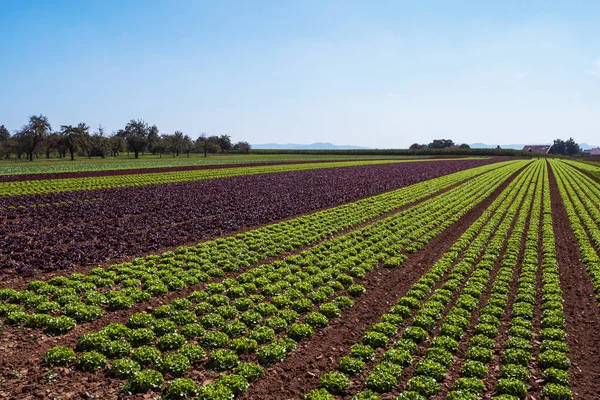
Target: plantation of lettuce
412, 279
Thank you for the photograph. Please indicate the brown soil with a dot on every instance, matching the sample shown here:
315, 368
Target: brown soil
301, 370
580, 306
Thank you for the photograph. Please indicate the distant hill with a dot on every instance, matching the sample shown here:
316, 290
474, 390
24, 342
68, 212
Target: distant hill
313, 146
584, 146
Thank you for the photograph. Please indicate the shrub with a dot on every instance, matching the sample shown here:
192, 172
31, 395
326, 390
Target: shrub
180, 388
335, 382
221, 360
59, 356
124, 368
145, 380
91, 361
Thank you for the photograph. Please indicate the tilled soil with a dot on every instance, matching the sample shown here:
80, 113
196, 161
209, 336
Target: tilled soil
580, 306
301, 370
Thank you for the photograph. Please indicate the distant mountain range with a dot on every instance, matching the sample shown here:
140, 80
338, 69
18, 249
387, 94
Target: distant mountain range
584, 146
313, 146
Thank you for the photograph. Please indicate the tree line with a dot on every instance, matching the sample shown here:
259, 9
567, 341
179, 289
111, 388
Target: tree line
38, 139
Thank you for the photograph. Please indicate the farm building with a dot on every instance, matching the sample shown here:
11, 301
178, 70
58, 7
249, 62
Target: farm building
595, 152
548, 149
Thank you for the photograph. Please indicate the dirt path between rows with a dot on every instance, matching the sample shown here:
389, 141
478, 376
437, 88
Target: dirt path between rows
580, 306
301, 370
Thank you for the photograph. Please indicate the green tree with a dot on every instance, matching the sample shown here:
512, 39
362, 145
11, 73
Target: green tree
560, 147
441, 144
74, 137
32, 134
136, 134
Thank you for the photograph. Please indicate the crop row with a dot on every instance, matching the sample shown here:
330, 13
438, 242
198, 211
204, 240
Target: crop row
23, 187
260, 315
132, 221
388, 369
516, 351
83, 298
51, 168
581, 196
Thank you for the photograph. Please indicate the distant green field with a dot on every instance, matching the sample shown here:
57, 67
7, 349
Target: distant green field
54, 165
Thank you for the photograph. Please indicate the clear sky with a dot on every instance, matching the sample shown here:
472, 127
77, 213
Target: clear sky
372, 73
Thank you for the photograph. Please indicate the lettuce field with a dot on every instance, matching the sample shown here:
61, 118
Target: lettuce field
395, 279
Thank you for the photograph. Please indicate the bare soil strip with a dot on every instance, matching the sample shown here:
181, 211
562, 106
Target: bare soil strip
581, 308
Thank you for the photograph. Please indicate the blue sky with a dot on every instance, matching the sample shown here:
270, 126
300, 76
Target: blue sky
372, 73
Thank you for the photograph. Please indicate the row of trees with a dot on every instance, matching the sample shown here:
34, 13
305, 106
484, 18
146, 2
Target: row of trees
566, 147
37, 138
438, 144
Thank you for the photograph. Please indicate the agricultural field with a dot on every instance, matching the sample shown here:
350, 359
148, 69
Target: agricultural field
308, 279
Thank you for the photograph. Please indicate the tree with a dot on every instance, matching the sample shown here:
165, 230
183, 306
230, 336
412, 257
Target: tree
4, 134
464, 146
98, 144
560, 147
116, 144
441, 144
207, 144
187, 145
136, 135
5, 141
50, 143
74, 137
571, 148
416, 146
32, 134
224, 142
244, 147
